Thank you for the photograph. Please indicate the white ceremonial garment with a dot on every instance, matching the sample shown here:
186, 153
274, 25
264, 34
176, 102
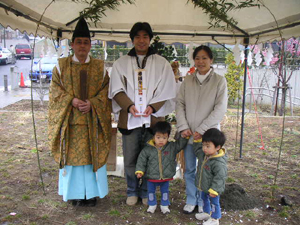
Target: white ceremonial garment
161, 86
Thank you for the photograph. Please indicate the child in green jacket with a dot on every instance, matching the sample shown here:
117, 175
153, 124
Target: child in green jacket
211, 174
157, 161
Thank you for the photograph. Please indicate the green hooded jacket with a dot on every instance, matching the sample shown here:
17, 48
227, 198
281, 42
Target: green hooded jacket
212, 171
159, 164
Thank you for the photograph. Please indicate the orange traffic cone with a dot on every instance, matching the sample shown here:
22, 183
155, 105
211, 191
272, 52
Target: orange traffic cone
22, 84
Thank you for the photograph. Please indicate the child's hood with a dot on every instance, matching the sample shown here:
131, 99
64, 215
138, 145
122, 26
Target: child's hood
221, 153
151, 142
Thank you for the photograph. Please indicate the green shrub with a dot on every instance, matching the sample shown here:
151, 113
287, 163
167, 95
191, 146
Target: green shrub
234, 78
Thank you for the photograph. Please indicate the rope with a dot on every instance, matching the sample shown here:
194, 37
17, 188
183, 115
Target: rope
257, 118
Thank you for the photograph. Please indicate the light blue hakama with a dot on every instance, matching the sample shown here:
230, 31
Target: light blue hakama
80, 182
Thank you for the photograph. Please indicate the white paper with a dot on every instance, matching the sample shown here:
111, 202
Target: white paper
250, 60
258, 58
269, 56
236, 53
140, 91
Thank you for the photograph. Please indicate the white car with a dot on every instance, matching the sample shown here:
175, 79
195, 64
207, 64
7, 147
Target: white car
6, 56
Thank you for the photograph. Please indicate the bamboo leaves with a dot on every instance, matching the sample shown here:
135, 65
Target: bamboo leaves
96, 9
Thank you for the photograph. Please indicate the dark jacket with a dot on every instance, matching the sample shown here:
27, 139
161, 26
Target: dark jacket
159, 164
211, 171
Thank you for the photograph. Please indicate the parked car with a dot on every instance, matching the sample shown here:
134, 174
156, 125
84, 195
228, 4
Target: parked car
6, 56
43, 69
23, 50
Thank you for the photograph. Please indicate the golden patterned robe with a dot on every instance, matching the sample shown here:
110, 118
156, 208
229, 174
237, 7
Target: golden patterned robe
79, 139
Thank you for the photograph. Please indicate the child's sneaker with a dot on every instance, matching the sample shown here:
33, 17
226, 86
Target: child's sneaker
164, 209
211, 221
202, 216
188, 209
151, 208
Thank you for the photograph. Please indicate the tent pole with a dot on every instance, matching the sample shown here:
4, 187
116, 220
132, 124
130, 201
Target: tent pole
246, 42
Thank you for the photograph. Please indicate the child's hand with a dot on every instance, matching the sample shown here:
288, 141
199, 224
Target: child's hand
186, 133
212, 195
139, 175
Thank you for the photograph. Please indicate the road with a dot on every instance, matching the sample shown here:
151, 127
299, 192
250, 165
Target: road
22, 65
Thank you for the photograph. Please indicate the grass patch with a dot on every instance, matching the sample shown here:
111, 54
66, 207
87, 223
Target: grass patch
87, 216
44, 217
271, 177
250, 214
284, 213
25, 197
255, 175
114, 212
230, 180
294, 176
71, 223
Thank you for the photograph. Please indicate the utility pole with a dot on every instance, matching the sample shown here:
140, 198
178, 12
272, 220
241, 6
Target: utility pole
4, 34
0, 34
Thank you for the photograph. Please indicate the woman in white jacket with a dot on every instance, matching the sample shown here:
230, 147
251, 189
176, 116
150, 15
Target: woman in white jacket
201, 105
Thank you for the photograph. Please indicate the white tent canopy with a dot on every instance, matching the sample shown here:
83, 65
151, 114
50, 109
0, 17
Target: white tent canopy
172, 20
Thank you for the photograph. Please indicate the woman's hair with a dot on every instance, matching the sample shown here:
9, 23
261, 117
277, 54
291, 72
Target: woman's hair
162, 127
204, 48
138, 27
215, 136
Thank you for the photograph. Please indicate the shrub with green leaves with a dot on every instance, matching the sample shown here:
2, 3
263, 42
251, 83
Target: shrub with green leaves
161, 49
234, 78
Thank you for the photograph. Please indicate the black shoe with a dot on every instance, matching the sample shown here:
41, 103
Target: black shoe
85, 202
91, 202
78, 202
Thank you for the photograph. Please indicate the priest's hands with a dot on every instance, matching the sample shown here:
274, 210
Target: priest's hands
75, 102
85, 107
82, 106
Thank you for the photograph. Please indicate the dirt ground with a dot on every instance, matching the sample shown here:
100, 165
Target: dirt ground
251, 197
